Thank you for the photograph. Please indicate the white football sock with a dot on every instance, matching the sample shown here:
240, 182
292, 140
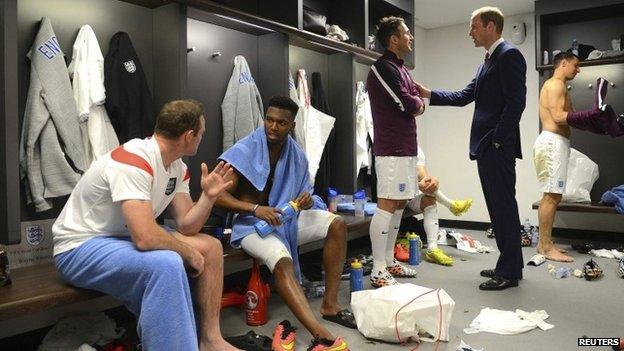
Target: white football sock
443, 199
393, 231
431, 226
379, 237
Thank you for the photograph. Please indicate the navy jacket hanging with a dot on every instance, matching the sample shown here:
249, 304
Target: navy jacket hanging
128, 99
323, 175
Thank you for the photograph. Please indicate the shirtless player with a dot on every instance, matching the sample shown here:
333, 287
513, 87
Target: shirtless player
552, 150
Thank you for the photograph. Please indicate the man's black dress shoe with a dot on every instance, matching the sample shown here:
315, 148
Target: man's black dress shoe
490, 273
498, 283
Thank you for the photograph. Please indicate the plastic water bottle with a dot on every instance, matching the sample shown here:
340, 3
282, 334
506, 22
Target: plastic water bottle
332, 200
575, 47
534, 236
289, 210
359, 199
527, 227
256, 298
357, 273
414, 249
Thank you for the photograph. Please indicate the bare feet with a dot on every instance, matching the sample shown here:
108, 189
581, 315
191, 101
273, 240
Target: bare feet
216, 345
552, 244
560, 249
553, 254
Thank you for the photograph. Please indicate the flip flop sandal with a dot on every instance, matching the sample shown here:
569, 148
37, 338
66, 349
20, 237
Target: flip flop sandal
536, 260
251, 342
344, 318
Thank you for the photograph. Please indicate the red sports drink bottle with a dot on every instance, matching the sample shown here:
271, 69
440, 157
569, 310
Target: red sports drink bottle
256, 298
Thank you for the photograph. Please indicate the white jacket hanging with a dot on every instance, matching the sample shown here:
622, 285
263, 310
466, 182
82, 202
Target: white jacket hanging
242, 105
87, 71
317, 126
363, 127
300, 123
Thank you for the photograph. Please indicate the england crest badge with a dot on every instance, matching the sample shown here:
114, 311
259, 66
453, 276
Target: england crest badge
130, 66
34, 235
171, 185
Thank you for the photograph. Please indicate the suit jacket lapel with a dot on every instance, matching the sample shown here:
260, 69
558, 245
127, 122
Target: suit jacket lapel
485, 68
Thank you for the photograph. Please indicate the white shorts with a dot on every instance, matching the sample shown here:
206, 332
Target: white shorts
312, 226
550, 155
396, 177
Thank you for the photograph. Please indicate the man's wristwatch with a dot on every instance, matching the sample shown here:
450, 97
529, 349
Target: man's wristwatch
496, 145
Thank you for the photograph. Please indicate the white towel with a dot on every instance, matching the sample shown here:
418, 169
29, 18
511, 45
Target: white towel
508, 322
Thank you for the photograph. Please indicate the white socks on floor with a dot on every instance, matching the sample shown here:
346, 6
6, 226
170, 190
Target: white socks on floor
431, 226
393, 231
379, 228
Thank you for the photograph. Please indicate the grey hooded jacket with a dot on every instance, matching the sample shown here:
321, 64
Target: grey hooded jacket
242, 105
51, 131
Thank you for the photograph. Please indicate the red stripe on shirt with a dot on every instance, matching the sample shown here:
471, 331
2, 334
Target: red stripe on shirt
126, 157
187, 176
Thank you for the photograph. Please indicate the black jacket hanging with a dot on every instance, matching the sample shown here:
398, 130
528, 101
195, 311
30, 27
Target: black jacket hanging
128, 99
323, 175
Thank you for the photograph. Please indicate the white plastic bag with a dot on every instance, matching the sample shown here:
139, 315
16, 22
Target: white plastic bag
405, 309
582, 174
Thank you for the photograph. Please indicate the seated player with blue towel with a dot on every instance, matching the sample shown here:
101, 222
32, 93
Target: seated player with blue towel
271, 170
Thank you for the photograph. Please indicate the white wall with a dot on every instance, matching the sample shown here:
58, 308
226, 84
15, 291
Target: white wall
445, 58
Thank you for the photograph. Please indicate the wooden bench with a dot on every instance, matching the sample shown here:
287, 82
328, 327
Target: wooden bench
39, 288
581, 207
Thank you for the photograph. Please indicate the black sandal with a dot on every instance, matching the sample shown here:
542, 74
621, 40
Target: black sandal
251, 342
344, 318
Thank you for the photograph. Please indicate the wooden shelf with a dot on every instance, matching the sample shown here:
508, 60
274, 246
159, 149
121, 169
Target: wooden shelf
296, 35
582, 207
607, 61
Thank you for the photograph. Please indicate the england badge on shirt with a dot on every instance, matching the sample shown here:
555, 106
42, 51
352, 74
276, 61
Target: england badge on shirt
130, 66
171, 186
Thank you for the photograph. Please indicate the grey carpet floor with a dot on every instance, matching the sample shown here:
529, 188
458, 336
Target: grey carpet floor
576, 307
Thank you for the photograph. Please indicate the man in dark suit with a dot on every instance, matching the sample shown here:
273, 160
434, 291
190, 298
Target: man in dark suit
499, 93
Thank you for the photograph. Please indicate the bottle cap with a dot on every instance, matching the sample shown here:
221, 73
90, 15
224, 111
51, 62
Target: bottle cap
412, 236
294, 205
331, 192
356, 264
360, 195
